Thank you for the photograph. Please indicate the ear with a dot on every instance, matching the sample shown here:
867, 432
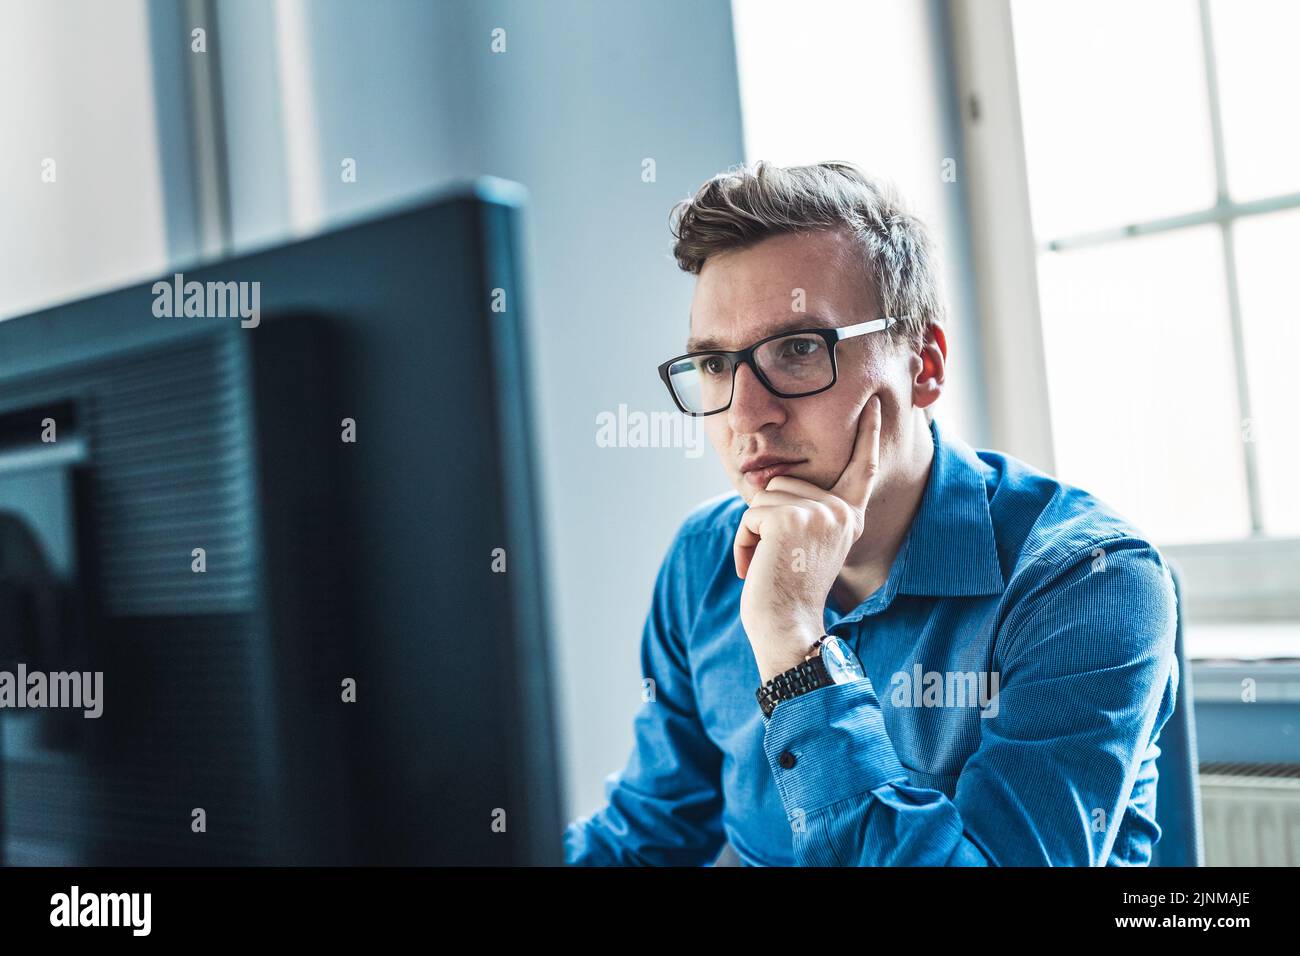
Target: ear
929, 364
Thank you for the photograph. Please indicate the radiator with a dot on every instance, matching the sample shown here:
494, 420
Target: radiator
1250, 814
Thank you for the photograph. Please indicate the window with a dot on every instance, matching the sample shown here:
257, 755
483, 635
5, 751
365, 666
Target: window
1135, 221
1161, 163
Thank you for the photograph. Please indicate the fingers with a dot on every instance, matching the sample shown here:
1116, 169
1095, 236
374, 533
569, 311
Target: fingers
804, 494
784, 496
798, 487
859, 476
784, 492
749, 534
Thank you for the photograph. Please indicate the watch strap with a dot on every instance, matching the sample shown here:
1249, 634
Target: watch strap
800, 679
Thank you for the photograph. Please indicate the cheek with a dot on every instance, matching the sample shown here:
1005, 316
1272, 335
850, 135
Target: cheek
719, 437
828, 432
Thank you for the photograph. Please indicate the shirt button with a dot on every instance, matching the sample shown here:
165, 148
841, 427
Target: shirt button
786, 760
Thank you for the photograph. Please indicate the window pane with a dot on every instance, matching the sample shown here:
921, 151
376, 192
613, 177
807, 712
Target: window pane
1266, 249
1141, 382
1259, 74
1113, 103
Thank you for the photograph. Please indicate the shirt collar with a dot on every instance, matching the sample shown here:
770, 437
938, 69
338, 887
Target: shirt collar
950, 549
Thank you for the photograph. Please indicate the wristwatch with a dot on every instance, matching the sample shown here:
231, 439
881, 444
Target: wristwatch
831, 661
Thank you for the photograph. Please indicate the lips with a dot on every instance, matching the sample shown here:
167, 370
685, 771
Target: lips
759, 471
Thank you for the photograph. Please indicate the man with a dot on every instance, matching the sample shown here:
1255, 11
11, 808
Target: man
886, 649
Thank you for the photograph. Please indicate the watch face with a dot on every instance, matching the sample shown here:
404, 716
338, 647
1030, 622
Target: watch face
841, 663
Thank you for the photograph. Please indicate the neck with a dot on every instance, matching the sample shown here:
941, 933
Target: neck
894, 503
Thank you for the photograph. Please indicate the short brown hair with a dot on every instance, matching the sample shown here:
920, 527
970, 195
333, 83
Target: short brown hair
747, 204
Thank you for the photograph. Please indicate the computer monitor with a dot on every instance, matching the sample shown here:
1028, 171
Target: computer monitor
285, 504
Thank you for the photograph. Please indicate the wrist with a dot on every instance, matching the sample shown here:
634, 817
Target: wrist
830, 662
794, 653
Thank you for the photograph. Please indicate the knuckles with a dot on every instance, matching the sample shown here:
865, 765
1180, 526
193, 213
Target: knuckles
822, 518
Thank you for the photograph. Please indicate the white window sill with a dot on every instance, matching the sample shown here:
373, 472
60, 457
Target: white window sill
1243, 642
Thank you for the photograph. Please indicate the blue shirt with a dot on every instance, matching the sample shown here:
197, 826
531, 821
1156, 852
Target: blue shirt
1020, 663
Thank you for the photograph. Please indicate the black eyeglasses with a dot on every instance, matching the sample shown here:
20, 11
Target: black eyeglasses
789, 364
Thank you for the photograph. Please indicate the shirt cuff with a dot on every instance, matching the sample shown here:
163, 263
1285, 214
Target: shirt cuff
829, 744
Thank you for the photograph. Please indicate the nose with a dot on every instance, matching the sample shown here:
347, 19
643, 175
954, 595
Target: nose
752, 405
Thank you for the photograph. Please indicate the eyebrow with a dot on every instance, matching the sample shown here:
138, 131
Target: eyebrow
801, 321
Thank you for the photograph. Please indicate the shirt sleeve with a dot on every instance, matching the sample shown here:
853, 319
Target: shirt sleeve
665, 806
1088, 678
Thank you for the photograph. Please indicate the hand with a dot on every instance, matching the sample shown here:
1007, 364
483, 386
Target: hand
792, 543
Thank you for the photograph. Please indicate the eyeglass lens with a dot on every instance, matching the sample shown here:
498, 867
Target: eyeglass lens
793, 364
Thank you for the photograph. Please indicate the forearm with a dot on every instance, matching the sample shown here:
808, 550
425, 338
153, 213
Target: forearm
845, 792
893, 825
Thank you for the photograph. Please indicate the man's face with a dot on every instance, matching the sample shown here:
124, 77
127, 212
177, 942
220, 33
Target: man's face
745, 295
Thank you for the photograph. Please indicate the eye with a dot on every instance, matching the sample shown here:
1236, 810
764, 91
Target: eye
712, 365
800, 348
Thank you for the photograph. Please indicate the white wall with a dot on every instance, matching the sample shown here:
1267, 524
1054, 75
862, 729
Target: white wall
76, 87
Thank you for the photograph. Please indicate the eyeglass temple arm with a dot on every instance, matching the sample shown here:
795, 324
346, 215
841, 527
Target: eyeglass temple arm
862, 328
